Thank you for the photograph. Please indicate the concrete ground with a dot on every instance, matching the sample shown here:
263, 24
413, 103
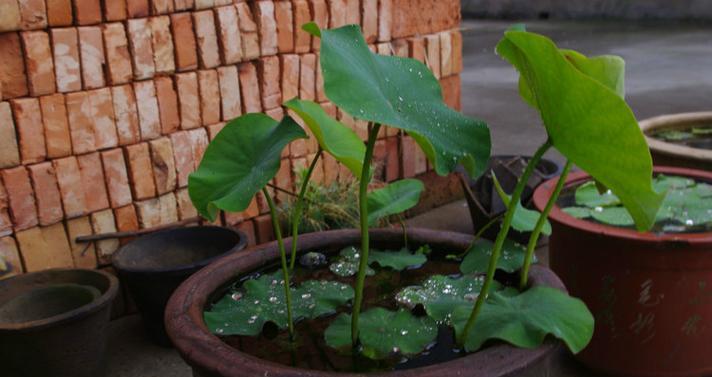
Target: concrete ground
668, 70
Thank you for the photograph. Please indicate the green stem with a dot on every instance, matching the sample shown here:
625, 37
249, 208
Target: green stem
283, 253
476, 237
540, 225
363, 214
405, 230
299, 207
501, 237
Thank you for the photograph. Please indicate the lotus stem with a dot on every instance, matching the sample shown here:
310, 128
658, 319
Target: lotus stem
299, 207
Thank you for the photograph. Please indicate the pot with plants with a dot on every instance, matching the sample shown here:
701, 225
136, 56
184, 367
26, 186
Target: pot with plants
683, 140
392, 302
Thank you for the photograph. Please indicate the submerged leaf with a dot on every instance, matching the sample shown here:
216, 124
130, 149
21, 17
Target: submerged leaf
394, 198
478, 256
525, 319
347, 262
578, 212
617, 216
524, 219
383, 333
587, 195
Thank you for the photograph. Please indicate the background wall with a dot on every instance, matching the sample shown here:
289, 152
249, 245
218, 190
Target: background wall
107, 106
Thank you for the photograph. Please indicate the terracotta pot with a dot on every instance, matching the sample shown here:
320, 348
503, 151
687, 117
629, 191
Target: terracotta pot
669, 154
209, 356
651, 295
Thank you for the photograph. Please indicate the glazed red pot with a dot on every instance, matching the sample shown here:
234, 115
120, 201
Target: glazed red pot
651, 294
210, 356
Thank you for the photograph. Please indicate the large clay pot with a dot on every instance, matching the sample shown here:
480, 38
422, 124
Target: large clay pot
651, 294
53, 323
154, 265
669, 154
211, 357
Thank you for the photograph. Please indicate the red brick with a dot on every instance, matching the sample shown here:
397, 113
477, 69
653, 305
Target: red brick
46, 247
285, 26
49, 202
302, 15
12, 66
209, 96
167, 105
115, 10
264, 14
164, 168
56, 128
451, 91
384, 48
400, 48
408, 151
214, 129
29, 129
140, 171
207, 39
33, 14
307, 77
162, 6
126, 221
320, 93
117, 180
40, 68
432, 47
162, 44
250, 89
141, 49
446, 67
290, 76
229, 35
169, 208
9, 151
320, 16
149, 213
456, 38
137, 8
148, 112
188, 97
66, 59
231, 102
409, 18
248, 228
199, 142
263, 229
393, 159
183, 156
93, 182
277, 113
103, 222
269, 78
70, 186
248, 32
118, 58
79, 110
186, 50
204, 4
417, 48
184, 4
5, 219
337, 13
126, 113
10, 18
186, 210
103, 118
59, 12
21, 197
88, 12
353, 12
11, 256
83, 254
283, 179
92, 56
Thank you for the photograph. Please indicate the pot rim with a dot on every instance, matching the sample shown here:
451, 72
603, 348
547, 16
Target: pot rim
203, 350
544, 191
181, 269
72, 315
673, 121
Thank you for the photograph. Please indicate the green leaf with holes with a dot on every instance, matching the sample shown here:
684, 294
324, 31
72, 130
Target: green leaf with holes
402, 93
477, 258
525, 319
394, 198
384, 333
261, 300
239, 162
524, 219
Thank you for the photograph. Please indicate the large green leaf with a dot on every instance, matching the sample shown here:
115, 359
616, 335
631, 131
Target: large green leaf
478, 256
586, 120
239, 162
261, 300
402, 93
333, 136
524, 219
525, 319
383, 333
393, 199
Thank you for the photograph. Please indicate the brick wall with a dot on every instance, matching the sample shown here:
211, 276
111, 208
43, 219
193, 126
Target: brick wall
107, 106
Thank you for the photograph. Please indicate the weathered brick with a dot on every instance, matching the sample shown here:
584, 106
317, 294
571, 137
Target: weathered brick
285, 26
162, 44
409, 18
432, 47
93, 182
137, 8
21, 197
149, 213
141, 48
49, 201
169, 208
264, 14
353, 12
184, 4
9, 151
337, 13
28, 118
417, 48
88, 12
209, 96
33, 14
229, 33
5, 219
385, 20
148, 112
290, 76
56, 128
320, 15
320, 93
70, 186
164, 168
126, 221
40, 67
408, 150
103, 118
199, 142
186, 50
162, 6
204, 4
118, 58
247, 227
186, 210
12, 66
248, 32
10, 18
400, 48
188, 97
446, 67
231, 102
92, 56
126, 113
10, 255
79, 110
103, 222
66, 60
167, 105
207, 39
250, 89
115, 10
269, 78
140, 171
383, 48
83, 253
283, 179
277, 113
263, 229
214, 129
307, 77
451, 91
456, 38
369, 18
302, 15
46, 247
117, 180
183, 156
